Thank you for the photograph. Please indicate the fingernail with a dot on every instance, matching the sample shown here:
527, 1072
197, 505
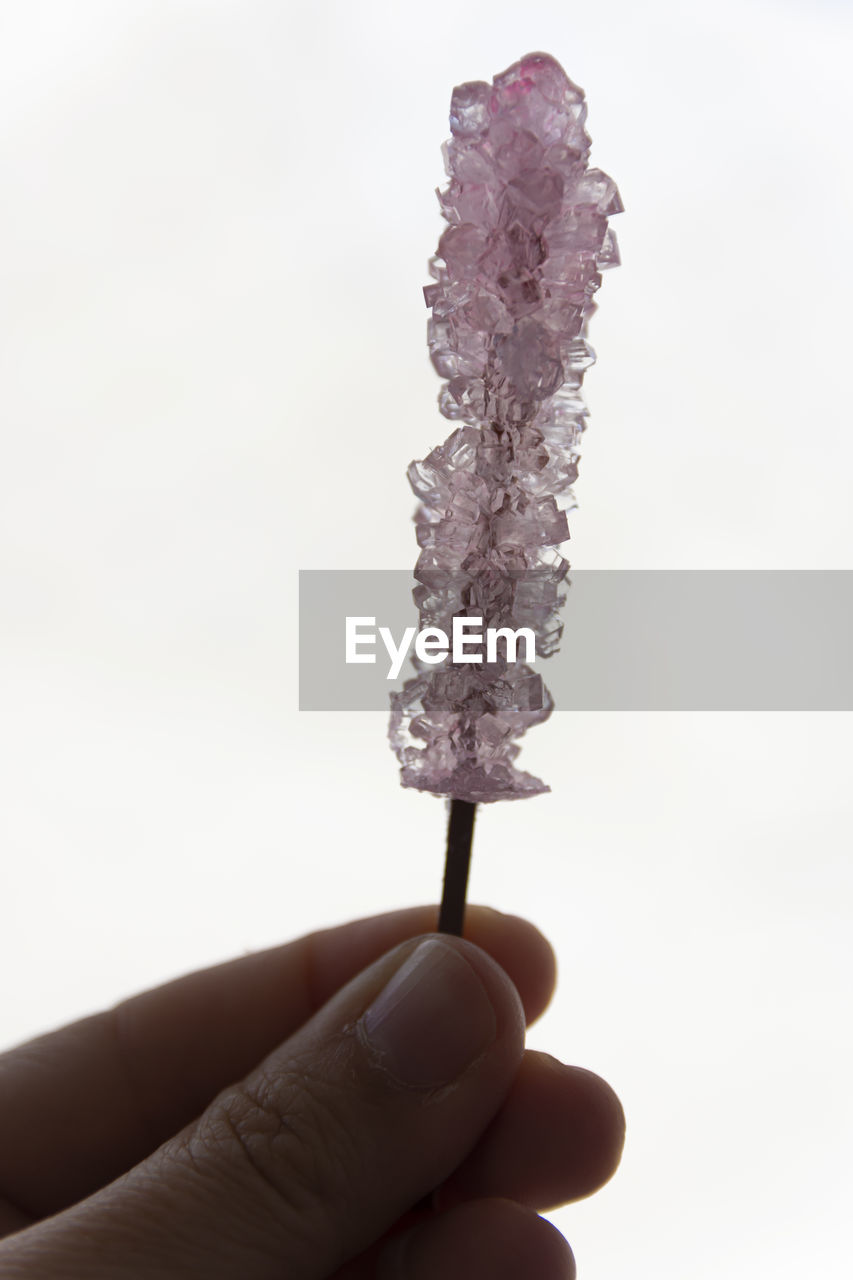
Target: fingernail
433, 1019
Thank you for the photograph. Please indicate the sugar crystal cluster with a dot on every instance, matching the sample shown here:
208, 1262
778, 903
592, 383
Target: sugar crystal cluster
514, 280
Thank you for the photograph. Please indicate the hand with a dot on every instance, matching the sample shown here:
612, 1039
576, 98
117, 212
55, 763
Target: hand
249, 1122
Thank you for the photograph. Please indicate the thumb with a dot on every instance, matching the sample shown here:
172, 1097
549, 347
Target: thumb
305, 1163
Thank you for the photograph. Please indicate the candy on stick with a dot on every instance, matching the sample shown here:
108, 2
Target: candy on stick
514, 280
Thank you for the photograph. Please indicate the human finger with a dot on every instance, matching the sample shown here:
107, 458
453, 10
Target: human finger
481, 1240
321, 1149
83, 1104
557, 1138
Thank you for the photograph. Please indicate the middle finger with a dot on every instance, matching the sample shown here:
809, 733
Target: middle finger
557, 1137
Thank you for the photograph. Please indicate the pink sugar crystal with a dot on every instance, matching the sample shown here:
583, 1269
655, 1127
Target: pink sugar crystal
515, 276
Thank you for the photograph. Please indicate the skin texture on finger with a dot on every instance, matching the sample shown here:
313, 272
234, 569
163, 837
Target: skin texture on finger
82, 1105
483, 1240
557, 1138
315, 1155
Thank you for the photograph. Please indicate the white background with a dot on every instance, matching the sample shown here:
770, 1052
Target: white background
214, 230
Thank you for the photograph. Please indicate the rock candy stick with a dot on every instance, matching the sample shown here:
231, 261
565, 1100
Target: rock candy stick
514, 282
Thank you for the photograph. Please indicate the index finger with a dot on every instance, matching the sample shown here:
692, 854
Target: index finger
81, 1105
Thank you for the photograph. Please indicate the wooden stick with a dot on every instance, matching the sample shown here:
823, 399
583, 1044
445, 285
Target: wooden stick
460, 831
